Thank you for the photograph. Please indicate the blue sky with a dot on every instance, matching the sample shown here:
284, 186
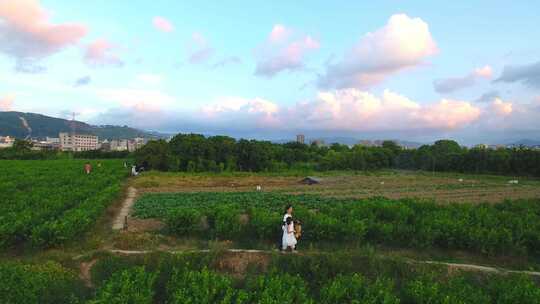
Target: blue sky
414, 70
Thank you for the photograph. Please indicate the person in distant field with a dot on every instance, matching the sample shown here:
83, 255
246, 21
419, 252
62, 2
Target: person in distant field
87, 168
285, 227
289, 238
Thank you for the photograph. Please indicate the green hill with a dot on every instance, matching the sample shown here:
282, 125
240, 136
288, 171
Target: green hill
21, 125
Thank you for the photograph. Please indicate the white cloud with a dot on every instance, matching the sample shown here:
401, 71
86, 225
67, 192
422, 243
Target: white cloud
139, 100
347, 110
162, 24
100, 52
199, 49
402, 43
283, 50
501, 108
6, 102
449, 85
28, 35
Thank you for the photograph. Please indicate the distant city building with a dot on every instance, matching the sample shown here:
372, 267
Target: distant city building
78, 142
300, 138
482, 146
52, 140
318, 142
124, 144
50, 143
6, 142
365, 143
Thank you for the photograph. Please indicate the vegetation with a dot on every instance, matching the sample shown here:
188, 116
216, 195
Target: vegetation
295, 279
49, 283
512, 227
196, 153
49, 202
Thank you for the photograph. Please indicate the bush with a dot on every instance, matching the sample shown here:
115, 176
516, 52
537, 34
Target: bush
356, 289
184, 221
131, 286
459, 290
202, 287
47, 283
513, 289
278, 289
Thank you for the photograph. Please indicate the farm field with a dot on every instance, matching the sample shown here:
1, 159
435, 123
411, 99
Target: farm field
177, 246
46, 203
511, 227
440, 187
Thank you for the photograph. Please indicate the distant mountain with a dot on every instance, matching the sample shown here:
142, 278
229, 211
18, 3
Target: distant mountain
350, 141
22, 125
526, 143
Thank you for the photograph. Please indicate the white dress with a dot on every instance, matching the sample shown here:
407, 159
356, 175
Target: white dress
288, 240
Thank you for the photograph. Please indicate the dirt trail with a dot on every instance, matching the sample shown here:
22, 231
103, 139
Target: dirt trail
466, 267
118, 222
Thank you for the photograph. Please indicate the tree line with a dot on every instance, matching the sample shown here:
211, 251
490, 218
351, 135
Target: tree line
197, 153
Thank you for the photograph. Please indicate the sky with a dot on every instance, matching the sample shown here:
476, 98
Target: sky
408, 70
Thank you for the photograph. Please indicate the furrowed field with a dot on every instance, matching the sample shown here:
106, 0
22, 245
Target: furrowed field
46, 203
368, 237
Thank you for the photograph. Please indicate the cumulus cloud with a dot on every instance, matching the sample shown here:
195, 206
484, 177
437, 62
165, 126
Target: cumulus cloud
28, 35
231, 60
6, 103
100, 53
347, 110
162, 24
83, 81
449, 85
488, 96
528, 74
137, 99
199, 49
501, 108
283, 50
404, 42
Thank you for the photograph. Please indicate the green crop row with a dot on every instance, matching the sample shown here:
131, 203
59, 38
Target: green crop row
291, 279
512, 227
49, 202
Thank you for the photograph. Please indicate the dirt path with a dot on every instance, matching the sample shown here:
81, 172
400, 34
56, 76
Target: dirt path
118, 222
457, 266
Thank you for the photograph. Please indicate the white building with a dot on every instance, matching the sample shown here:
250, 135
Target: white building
78, 142
52, 140
127, 144
6, 142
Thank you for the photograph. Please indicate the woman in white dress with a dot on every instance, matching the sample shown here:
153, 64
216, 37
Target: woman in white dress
288, 238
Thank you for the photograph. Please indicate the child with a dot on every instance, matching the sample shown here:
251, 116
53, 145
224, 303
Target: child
289, 240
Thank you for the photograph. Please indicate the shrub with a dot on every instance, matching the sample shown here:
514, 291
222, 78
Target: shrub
202, 287
131, 286
278, 289
356, 289
513, 289
47, 283
183, 221
458, 290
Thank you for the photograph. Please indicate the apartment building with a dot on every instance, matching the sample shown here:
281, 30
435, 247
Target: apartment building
78, 142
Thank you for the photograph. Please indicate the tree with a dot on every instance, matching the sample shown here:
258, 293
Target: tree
155, 155
21, 145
